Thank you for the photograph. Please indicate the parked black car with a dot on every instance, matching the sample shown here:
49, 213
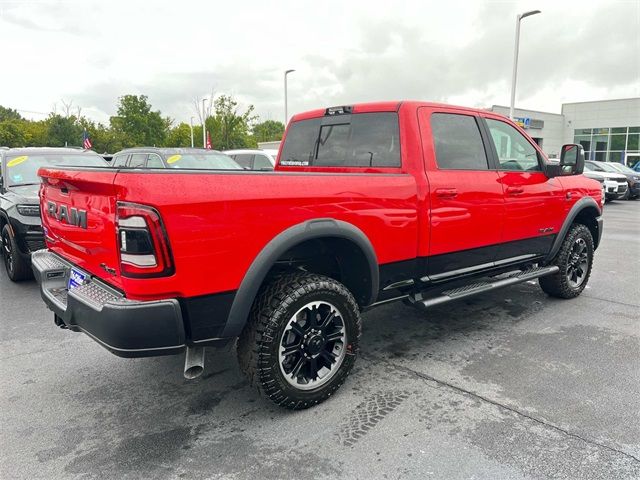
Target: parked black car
20, 226
194, 158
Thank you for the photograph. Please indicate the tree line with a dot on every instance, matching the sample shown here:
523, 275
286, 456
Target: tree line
136, 124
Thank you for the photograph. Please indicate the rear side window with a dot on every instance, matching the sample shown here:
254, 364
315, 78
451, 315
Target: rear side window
154, 161
119, 160
262, 162
358, 140
138, 160
458, 142
245, 160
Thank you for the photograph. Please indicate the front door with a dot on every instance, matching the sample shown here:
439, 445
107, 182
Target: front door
466, 198
535, 204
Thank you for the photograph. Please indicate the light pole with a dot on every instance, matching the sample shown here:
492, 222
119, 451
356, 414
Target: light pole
204, 134
286, 113
519, 17
191, 126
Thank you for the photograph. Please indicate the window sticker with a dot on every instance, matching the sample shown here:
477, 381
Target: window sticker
17, 178
173, 158
17, 161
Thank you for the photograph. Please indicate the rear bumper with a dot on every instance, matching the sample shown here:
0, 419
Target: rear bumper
126, 328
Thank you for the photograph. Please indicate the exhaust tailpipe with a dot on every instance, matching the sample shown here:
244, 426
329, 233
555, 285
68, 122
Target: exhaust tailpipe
193, 362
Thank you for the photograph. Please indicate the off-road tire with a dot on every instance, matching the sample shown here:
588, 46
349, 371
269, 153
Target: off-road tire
18, 268
259, 343
558, 285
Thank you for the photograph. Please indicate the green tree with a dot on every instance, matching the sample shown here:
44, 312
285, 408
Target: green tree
63, 131
36, 133
12, 133
230, 128
137, 124
9, 114
180, 136
268, 131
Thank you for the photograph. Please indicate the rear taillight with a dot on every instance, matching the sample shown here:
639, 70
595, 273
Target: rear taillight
143, 244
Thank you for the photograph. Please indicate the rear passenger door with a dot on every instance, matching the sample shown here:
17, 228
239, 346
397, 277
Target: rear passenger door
466, 199
535, 204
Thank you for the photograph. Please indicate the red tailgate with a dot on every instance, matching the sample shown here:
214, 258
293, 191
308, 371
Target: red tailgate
78, 216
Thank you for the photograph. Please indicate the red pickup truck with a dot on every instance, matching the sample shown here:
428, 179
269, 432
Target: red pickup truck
368, 203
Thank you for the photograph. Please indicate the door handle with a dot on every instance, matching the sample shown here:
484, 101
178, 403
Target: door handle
515, 190
446, 192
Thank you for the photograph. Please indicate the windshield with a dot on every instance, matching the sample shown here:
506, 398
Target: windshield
592, 167
622, 168
204, 161
23, 169
607, 167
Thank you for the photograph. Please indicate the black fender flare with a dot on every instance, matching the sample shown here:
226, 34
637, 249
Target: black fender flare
292, 236
6, 219
579, 206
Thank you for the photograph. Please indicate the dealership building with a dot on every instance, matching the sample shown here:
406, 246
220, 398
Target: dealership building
609, 130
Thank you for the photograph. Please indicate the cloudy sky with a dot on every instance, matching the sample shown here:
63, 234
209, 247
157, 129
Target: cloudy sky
91, 52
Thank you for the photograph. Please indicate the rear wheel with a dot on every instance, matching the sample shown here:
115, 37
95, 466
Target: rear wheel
301, 340
575, 260
17, 266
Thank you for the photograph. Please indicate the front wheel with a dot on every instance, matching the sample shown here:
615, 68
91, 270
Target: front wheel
575, 260
301, 340
17, 267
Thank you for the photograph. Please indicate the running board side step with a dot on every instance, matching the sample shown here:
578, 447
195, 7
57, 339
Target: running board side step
421, 301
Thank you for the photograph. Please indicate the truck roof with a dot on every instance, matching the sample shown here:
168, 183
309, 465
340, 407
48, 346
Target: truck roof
388, 106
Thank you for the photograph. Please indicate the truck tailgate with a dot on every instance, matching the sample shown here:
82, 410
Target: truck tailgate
78, 217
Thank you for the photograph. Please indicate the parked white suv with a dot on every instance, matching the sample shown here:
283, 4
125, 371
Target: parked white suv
250, 159
615, 184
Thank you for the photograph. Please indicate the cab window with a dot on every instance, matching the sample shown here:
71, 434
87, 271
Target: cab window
354, 140
458, 143
514, 150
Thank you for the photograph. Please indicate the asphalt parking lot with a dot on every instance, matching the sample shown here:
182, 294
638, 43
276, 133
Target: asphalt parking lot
510, 385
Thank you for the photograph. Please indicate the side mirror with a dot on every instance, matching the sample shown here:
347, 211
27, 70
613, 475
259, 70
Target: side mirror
572, 159
571, 162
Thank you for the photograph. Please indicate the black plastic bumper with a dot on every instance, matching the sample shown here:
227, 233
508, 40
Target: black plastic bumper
126, 328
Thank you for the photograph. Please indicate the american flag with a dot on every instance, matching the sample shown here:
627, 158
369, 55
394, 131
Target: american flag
86, 141
209, 141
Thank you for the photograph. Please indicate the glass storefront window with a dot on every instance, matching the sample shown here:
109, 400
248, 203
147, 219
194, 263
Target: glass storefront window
601, 131
632, 141
600, 142
586, 144
616, 157
619, 130
634, 129
601, 156
582, 131
618, 142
